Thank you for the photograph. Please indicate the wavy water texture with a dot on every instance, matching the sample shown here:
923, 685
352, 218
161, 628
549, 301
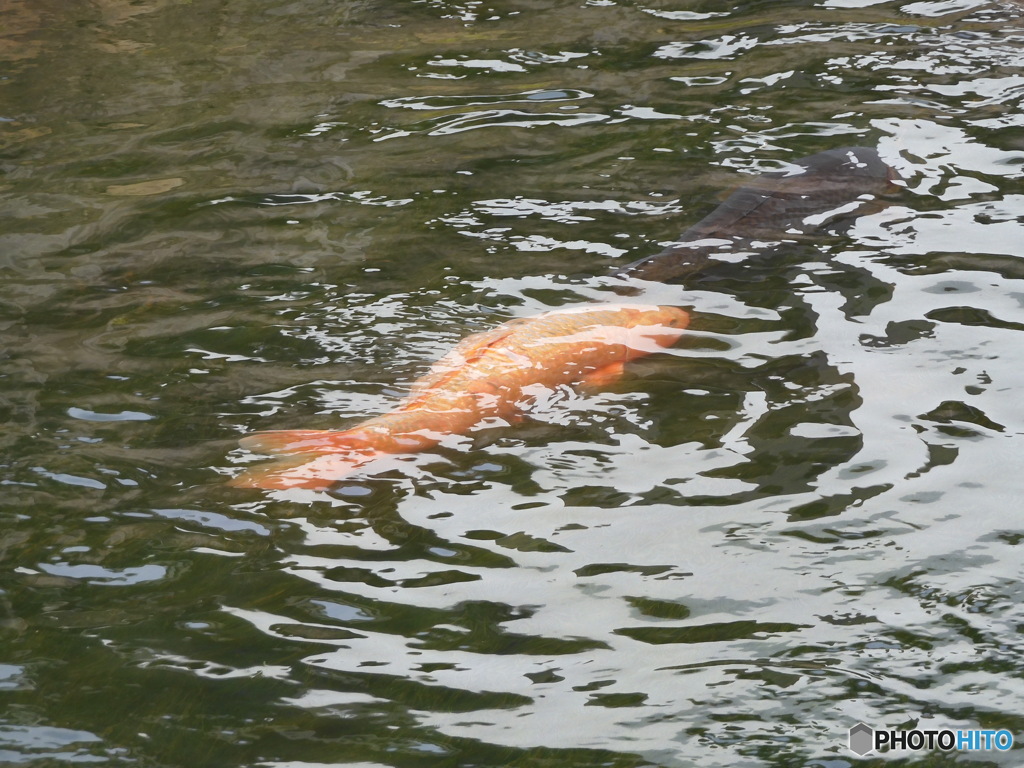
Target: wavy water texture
221, 218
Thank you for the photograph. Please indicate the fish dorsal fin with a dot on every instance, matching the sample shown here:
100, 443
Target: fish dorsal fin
467, 351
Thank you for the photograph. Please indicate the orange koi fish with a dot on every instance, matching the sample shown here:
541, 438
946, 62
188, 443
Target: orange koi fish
486, 376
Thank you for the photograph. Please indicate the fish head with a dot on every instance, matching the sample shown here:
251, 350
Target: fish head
673, 317
634, 330
658, 324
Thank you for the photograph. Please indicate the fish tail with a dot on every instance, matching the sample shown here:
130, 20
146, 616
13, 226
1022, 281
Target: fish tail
283, 442
311, 471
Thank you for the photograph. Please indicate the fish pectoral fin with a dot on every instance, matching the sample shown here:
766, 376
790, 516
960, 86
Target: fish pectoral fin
603, 377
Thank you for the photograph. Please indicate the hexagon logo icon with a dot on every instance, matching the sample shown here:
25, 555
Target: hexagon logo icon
862, 739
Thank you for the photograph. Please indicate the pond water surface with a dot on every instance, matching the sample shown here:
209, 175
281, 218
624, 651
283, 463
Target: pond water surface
222, 216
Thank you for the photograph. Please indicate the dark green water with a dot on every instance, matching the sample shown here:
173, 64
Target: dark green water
227, 215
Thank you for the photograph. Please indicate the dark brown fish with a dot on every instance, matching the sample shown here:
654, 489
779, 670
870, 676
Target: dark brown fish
824, 188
